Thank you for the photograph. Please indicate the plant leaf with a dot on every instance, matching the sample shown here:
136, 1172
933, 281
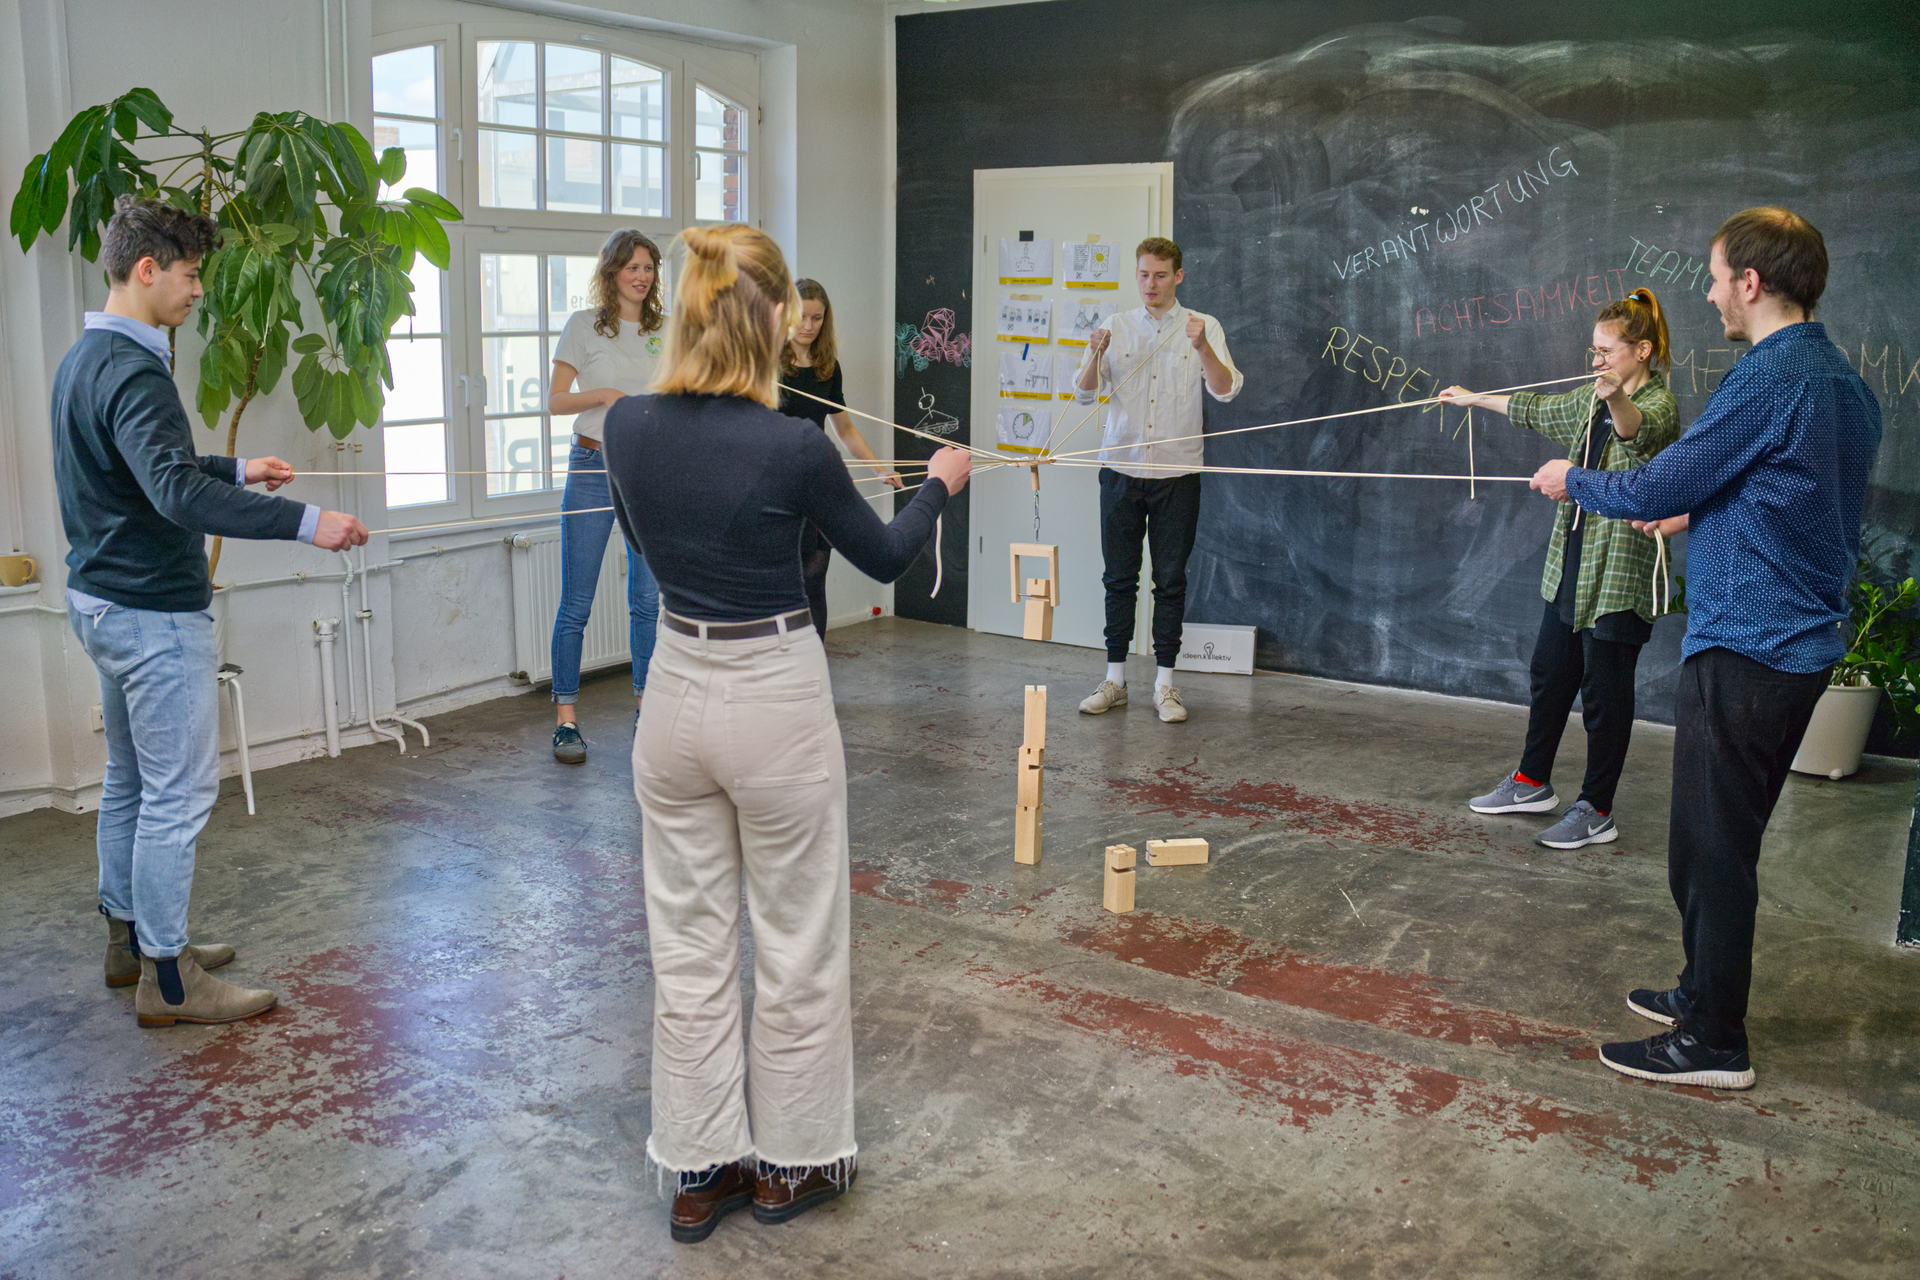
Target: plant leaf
309, 343
435, 202
393, 165
146, 104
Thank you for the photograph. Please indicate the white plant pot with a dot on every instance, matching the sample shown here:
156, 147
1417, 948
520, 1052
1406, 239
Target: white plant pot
1837, 734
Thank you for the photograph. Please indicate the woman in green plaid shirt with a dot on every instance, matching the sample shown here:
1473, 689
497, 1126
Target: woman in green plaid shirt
1599, 579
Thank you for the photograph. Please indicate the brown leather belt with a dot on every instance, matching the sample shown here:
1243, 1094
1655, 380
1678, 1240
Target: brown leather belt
585, 442
799, 620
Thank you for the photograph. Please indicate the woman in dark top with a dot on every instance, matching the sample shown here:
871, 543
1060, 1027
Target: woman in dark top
737, 761
810, 364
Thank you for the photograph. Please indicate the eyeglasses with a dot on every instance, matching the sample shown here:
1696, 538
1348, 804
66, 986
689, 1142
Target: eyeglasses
1608, 353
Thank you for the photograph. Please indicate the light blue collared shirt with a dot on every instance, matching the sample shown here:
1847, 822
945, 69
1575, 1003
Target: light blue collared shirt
150, 337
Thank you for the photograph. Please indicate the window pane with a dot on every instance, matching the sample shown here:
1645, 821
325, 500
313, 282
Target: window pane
573, 175
426, 301
419, 390
557, 445
406, 81
509, 292
421, 448
516, 375
421, 142
506, 170
719, 187
569, 282
513, 456
573, 89
506, 83
717, 122
639, 101
640, 181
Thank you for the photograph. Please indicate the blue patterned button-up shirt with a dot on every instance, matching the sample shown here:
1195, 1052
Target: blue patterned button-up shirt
1774, 471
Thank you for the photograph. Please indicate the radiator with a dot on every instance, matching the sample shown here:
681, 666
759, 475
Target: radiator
536, 602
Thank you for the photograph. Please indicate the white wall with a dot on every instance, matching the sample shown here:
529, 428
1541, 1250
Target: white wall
443, 633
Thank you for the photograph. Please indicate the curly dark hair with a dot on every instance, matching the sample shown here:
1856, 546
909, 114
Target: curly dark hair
154, 229
615, 254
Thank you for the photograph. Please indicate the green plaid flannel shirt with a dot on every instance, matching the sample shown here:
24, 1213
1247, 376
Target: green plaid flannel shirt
1616, 560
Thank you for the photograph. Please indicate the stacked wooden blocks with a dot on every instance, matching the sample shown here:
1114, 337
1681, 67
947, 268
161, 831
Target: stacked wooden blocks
1118, 897
1033, 760
1042, 595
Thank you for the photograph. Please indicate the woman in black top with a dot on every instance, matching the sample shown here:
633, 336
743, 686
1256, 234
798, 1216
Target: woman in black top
737, 761
809, 375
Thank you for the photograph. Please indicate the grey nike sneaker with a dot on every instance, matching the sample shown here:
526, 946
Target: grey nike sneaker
1515, 796
1104, 699
1582, 824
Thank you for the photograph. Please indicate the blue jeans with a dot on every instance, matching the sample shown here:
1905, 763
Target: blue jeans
583, 545
160, 701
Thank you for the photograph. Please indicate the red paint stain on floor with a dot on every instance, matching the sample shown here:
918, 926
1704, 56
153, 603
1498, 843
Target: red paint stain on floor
1301, 1083
1216, 954
1182, 791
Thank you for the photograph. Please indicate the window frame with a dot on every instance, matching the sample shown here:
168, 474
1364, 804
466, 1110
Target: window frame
492, 229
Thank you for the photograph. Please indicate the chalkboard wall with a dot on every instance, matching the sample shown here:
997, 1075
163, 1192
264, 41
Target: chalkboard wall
1378, 201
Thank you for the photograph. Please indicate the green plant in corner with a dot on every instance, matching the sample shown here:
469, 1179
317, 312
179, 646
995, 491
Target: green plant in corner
1883, 644
297, 202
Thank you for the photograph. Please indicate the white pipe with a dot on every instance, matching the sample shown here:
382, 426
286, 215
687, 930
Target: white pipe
426, 739
346, 611
366, 639
326, 628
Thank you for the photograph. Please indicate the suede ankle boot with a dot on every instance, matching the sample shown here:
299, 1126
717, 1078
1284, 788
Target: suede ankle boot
179, 990
123, 953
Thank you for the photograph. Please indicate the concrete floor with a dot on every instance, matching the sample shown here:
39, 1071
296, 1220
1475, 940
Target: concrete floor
1359, 1044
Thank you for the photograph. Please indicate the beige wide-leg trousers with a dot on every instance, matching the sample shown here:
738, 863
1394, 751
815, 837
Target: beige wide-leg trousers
741, 778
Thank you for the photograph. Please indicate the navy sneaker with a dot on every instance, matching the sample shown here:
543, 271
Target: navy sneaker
1515, 796
1583, 824
568, 746
1661, 1006
1674, 1057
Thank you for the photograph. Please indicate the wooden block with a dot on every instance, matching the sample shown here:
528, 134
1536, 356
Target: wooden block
1176, 853
1026, 835
1030, 786
1036, 724
1040, 587
1118, 897
1120, 857
1037, 624
1033, 757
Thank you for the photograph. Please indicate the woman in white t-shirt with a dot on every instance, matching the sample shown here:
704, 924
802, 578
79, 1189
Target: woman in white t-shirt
611, 349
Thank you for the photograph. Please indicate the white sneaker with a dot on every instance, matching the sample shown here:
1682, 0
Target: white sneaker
1166, 700
1104, 699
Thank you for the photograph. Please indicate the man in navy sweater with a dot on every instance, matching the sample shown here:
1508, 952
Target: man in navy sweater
1773, 472
137, 501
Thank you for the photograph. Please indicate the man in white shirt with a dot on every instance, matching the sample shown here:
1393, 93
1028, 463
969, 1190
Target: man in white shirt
1153, 362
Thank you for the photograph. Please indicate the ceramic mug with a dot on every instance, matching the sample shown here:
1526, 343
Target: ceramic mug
16, 571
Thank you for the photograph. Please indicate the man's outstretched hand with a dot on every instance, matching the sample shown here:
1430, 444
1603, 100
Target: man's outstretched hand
272, 470
337, 530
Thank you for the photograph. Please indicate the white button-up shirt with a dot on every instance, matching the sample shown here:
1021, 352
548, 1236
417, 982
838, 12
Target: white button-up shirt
1155, 378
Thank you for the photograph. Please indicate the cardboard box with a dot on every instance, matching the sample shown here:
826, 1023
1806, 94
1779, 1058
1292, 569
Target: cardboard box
1212, 646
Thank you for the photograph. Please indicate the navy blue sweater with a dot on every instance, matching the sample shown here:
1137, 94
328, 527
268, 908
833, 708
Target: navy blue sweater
714, 491
135, 498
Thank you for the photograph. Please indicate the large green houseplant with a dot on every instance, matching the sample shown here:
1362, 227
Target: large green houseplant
1883, 644
297, 202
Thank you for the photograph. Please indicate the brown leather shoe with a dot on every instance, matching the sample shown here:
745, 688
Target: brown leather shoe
780, 1196
696, 1213
123, 962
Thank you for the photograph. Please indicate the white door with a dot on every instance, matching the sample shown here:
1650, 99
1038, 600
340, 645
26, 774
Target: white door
1119, 205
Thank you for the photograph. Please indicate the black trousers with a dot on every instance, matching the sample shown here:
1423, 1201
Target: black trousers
1737, 725
1568, 662
815, 554
1167, 513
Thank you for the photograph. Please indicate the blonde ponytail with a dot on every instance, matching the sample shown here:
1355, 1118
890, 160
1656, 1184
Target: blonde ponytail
1640, 319
722, 338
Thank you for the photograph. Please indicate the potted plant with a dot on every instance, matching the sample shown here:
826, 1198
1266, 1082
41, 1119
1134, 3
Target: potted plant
302, 224
1883, 653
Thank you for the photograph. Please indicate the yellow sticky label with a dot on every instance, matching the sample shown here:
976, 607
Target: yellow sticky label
1088, 284
1014, 337
1019, 448
1025, 395
1030, 280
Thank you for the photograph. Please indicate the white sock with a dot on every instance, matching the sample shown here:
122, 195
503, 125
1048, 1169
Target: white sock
1117, 673
1162, 677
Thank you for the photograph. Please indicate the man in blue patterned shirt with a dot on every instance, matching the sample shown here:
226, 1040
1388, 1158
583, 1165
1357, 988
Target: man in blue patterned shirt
1773, 472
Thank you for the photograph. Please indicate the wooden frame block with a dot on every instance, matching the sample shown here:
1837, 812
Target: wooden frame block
1033, 757
1120, 857
1035, 729
1118, 895
1052, 553
1026, 835
1030, 787
1176, 853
